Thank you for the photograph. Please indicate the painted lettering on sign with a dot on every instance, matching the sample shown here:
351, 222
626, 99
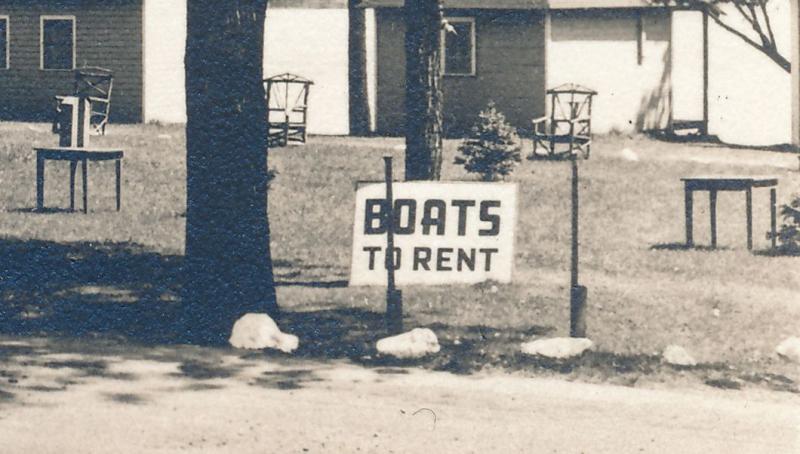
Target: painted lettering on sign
444, 233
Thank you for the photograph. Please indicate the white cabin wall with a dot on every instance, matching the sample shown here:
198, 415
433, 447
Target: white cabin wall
750, 95
312, 43
687, 65
164, 48
309, 42
599, 51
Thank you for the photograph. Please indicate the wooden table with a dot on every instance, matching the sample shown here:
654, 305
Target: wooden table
75, 155
714, 184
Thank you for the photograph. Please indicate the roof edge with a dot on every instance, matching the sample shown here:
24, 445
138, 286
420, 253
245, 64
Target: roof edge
526, 4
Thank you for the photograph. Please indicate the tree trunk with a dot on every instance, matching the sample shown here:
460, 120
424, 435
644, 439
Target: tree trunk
228, 264
357, 69
423, 89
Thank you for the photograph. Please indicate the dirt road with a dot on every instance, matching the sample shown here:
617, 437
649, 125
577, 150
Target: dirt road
286, 406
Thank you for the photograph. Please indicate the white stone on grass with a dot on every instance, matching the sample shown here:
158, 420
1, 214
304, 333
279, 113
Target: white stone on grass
789, 349
413, 344
557, 347
259, 331
629, 155
678, 356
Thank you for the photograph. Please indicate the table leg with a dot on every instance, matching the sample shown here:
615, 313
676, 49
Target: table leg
687, 194
39, 182
73, 167
773, 216
84, 170
712, 199
119, 185
749, 209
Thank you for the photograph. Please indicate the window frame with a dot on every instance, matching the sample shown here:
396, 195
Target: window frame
42, 20
473, 46
7, 64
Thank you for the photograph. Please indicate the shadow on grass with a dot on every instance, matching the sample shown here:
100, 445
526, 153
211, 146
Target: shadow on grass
779, 252
83, 289
714, 141
685, 247
124, 301
111, 289
286, 379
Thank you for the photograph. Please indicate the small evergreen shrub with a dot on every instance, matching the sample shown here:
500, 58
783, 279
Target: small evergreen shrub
789, 234
492, 149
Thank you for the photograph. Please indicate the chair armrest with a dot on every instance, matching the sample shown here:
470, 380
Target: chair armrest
539, 120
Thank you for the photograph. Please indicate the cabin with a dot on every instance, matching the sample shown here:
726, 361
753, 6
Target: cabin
646, 62
42, 42
143, 43
511, 51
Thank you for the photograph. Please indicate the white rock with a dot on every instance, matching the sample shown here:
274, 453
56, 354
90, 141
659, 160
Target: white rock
789, 349
414, 344
557, 347
629, 155
257, 331
678, 356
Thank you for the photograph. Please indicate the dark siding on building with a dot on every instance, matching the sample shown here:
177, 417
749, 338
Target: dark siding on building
510, 65
108, 34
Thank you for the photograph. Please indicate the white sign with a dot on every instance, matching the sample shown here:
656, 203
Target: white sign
445, 233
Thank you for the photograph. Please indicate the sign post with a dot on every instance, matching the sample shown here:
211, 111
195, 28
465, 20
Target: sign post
578, 293
394, 297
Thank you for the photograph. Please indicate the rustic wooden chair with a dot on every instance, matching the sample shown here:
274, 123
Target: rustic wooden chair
567, 131
287, 108
95, 85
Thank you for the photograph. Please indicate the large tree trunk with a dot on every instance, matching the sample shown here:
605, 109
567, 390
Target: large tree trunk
228, 263
423, 89
357, 69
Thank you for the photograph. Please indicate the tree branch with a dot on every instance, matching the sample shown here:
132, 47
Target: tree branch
768, 23
772, 53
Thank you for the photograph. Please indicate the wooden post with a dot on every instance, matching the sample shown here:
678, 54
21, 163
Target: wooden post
394, 297
688, 208
39, 181
773, 217
712, 199
73, 166
85, 171
705, 73
749, 214
118, 168
577, 320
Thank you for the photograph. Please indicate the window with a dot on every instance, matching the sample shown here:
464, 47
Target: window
4, 42
458, 53
58, 42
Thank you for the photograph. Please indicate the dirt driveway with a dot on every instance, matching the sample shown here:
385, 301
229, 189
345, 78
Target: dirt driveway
201, 400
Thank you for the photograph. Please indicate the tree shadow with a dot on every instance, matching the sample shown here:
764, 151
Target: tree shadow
351, 333
288, 379
85, 289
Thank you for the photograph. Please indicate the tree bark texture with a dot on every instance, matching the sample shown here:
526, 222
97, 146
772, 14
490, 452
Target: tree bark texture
357, 70
424, 99
228, 264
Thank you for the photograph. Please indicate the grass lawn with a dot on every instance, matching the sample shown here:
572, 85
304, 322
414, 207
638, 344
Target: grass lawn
728, 307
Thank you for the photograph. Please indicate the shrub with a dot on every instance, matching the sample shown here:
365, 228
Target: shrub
492, 149
789, 233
